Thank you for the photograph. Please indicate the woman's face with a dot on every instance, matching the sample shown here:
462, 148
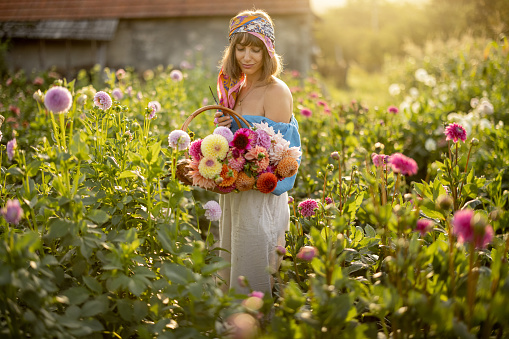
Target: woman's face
250, 59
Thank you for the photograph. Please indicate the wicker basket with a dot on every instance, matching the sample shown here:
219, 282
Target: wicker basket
183, 165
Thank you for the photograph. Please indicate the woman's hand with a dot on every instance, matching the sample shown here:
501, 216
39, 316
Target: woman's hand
222, 119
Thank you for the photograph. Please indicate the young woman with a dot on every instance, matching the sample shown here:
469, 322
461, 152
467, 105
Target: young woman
253, 224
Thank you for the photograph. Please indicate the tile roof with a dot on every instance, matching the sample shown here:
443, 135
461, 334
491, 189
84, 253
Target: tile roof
32, 10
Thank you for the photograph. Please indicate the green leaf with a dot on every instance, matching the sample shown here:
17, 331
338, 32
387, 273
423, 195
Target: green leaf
127, 174
98, 216
177, 274
93, 284
94, 307
33, 167
58, 228
76, 295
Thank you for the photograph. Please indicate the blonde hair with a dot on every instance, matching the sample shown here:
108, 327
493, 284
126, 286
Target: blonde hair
270, 66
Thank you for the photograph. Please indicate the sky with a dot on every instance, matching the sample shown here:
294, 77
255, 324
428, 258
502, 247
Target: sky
320, 6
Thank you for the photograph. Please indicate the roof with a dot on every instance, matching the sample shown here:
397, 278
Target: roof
33, 10
103, 29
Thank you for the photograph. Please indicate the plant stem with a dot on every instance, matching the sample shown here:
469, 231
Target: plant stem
395, 188
471, 282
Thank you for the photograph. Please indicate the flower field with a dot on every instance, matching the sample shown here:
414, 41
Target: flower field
399, 222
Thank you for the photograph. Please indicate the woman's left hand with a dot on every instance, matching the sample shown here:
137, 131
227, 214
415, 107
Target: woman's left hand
221, 119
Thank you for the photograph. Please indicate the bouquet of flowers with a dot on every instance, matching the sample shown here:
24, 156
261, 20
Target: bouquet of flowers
251, 158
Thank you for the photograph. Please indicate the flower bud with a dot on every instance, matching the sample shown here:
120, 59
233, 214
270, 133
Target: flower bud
242, 281
479, 222
290, 199
334, 155
495, 214
407, 196
444, 202
39, 96
82, 99
280, 250
330, 167
474, 141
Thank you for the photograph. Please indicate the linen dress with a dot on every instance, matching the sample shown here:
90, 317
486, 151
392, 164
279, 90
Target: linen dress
253, 224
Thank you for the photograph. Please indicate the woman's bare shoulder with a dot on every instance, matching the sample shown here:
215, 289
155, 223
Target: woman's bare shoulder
278, 101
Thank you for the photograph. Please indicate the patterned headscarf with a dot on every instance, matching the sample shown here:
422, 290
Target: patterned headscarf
261, 28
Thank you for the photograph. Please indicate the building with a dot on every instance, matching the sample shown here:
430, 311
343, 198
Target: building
75, 34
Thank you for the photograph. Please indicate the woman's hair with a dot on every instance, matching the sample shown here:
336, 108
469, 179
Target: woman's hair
270, 66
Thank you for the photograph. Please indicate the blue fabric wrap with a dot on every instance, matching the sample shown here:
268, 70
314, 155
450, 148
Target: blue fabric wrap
290, 133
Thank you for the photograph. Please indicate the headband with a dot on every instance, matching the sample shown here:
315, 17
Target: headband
227, 88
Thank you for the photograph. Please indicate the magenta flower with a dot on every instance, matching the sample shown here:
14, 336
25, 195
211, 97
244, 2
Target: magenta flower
176, 75
102, 100
455, 132
379, 159
179, 140
463, 228
242, 139
281, 250
424, 226
307, 253
11, 147
290, 199
117, 94
393, 109
257, 294
195, 150
403, 164
212, 210
307, 207
12, 212
262, 139
328, 200
306, 112
225, 132
58, 99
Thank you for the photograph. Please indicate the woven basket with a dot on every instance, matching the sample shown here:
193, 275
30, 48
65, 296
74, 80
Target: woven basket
183, 165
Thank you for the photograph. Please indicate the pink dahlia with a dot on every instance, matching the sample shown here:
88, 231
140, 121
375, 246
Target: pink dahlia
307, 207
179, 140
464, 229
12, 212
262, 139
11, 147
212, 210
379, 160
307, 253
225, 132
424, 226
102, 100
176, 75
242, 139
403, 164
58, 99
393, 109
117, 94
237, 163
306, 112
328, 200
455, 132
195, 150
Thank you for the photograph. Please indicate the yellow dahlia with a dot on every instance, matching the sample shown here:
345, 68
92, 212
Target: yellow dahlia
214, 146
229, 176
244, 182
209, 167
287, 167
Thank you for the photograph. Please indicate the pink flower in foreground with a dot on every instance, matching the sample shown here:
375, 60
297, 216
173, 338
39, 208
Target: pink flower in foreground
379, 159
58, 99
307, 253
102, 100
393, 109
403, 164
464, 229
195, 150
212, 210
179, 140
225, 132
242, 139
307, 207
306, 112
455, 132
12, 212
424, 226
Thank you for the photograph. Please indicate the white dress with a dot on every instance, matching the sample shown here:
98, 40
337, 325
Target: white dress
252, 224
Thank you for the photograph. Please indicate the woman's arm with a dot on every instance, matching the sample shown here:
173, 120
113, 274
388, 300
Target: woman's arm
278, 102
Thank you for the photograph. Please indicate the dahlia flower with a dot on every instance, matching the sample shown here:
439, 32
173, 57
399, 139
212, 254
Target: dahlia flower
393, 109
12, 145
287, 167
195, 149
262, 139
153, 107
228, 175
237, 163
455, 132
307, 207
117, 94
290, 199
328, 200
259, 156
102, 100
38, 96
12, 212
306, 112
225, 132
307, 253
263, 126
176, 75
209, 167
120, 73
244, 182
179, 140
215, 146
266, 182
198, 179
212, 210
463, 227
242, 139
424, 226
58, 99
403, 164
378, 159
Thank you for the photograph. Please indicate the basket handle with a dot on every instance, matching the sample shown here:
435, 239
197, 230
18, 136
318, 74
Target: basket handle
226, 110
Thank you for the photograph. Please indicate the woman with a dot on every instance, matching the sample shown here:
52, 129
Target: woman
253, 224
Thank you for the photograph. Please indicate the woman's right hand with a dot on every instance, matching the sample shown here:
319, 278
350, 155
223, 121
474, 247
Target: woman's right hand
221, 119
